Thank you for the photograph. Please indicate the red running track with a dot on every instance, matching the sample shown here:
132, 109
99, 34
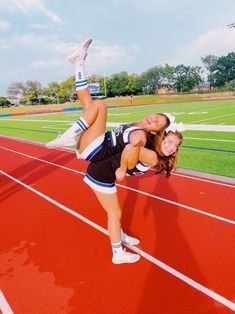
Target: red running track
52, 261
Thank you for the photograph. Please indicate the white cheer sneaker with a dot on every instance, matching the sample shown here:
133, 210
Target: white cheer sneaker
81, 52
61, 141
130, 240
125, 257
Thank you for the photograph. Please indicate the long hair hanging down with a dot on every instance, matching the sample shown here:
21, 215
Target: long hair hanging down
165, 163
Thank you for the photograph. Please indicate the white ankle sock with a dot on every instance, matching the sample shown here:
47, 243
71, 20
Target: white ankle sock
79, 126
117, 248
80, 76
123, 235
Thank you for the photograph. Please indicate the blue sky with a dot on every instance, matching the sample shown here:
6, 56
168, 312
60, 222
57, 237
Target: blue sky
129, 35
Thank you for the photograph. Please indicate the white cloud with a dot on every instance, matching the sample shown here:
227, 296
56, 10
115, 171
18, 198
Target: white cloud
5, 47
26, 6
218, 41
54, 17
46, 64
4, 25
103, 57
39, 26
19, 5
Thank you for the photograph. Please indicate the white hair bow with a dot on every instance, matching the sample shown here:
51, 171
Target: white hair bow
173, 127
169, 116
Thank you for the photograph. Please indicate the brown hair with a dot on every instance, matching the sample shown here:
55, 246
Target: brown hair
164, 163
162, 129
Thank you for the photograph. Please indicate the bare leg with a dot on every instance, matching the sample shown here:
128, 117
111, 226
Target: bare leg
91, 109
111, 205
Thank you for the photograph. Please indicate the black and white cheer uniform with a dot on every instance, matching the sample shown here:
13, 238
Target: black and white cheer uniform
100, 175
105, 155
108, 144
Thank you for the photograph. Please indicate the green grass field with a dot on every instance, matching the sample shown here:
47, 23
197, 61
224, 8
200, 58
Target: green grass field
205, 151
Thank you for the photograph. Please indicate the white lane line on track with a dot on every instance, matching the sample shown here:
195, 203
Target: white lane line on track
4, 305
71, 151
132, 189
212, 294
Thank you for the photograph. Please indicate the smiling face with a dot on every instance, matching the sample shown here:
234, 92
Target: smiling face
170, 144
154, 122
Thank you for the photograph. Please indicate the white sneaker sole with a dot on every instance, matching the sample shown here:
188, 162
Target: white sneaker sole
133, 241
81, 51
53, 145
126, 260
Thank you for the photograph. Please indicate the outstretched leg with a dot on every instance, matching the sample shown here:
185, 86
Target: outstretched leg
94, 112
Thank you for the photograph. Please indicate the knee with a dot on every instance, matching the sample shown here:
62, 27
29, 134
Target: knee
99, 104
128, 147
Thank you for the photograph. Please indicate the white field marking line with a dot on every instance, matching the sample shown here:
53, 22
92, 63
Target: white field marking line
119, 114
227, 115
150, 258
53, 128
208, 139
72, 151
134, 190
4, 306
197, 112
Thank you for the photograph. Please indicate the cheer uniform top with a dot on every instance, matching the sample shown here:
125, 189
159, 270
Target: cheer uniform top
108, 144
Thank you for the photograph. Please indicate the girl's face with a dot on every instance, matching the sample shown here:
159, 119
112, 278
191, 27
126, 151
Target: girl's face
170, 144
154, 122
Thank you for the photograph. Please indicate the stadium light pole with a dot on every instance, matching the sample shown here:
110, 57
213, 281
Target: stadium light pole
105, 91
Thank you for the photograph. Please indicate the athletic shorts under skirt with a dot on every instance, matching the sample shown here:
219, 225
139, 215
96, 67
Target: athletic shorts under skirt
100, 175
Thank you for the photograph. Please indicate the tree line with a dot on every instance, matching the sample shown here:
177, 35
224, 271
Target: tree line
177, 79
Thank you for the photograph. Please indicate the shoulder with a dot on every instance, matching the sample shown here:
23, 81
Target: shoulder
139, 134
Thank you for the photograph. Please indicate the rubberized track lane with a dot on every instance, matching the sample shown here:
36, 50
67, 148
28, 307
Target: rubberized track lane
56, 244
198, 193
53, 261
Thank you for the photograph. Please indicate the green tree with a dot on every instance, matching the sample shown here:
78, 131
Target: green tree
168, 74
29, 92
66, 89
117, 84
209, 62
4, 102
223, 71
186, 77
151, 80
134, 86
34, 91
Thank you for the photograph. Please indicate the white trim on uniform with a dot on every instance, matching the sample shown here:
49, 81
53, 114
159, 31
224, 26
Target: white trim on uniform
107, 188
113, 139
92, 148
142, 167
127, 133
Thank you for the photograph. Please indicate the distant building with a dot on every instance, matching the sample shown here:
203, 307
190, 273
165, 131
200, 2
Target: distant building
204, 86
166, 90
14, 100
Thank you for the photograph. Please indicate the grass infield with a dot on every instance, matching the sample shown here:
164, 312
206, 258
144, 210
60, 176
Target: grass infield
205, 151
